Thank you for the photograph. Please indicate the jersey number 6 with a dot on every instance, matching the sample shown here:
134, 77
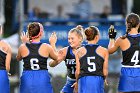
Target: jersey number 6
34, 64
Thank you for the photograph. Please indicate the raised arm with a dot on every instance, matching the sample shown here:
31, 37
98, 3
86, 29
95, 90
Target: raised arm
113, 45
53, 40
61, 57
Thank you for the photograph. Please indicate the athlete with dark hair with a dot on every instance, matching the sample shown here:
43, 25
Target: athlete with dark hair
35, 77
5, 59
130, 46
91, 64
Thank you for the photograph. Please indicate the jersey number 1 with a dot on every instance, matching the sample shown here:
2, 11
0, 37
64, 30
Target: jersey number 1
91, 63
135, 58
34, 65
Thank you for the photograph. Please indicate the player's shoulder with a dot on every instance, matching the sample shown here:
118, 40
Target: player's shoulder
4, 42
103, 48
64, 49
46, 45
23, 45
81, 48
5, 46
119, 39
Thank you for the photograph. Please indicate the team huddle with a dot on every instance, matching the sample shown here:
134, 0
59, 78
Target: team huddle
87, 65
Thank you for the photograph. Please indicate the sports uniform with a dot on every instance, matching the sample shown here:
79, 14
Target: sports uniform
4, 81
71, 68
35, 77
91, 71
130, 71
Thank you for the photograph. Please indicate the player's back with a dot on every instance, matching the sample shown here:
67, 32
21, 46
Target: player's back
34, 61
2, 60
131, 57
4, 81
91, 69
35, 77
91, 63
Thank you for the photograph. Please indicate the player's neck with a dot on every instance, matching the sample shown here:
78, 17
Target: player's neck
92, 42
133, 31
36, 40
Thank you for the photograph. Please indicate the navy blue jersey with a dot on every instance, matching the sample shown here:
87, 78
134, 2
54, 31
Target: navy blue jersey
34, 61
91, 64
2, 60
131, 56
70, 63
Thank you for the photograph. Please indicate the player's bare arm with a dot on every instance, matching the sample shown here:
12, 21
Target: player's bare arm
113, 45
61, 57
8, 57
19, 57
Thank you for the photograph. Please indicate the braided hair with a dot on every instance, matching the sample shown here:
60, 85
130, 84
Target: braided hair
91, 32
132, 20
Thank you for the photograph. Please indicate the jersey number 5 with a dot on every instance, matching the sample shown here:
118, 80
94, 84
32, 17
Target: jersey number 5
91, 63
135, 58
34, 65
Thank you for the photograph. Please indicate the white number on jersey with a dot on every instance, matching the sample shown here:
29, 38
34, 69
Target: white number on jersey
135, 58
72, 70
93, 68
34, 65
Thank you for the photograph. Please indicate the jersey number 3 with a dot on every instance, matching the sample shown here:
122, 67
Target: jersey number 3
91, 63
34, 64
135, 58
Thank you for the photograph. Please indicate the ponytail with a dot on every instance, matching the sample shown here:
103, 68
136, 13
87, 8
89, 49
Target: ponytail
128, 29
34, 30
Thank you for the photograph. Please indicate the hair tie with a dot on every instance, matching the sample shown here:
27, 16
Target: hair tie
41, 30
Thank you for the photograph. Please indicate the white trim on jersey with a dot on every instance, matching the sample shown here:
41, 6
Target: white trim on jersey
70, 78
135, 66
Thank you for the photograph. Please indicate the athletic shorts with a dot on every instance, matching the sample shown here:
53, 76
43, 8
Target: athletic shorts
91, 84
67, 87
129, 80
35, 82
4, 82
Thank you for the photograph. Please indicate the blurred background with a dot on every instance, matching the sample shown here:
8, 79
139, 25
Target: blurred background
60, 16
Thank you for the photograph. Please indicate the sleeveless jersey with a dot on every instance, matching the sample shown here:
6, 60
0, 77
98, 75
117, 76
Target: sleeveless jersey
34, 61
70, 63
91, 64
2, 60
131, 56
